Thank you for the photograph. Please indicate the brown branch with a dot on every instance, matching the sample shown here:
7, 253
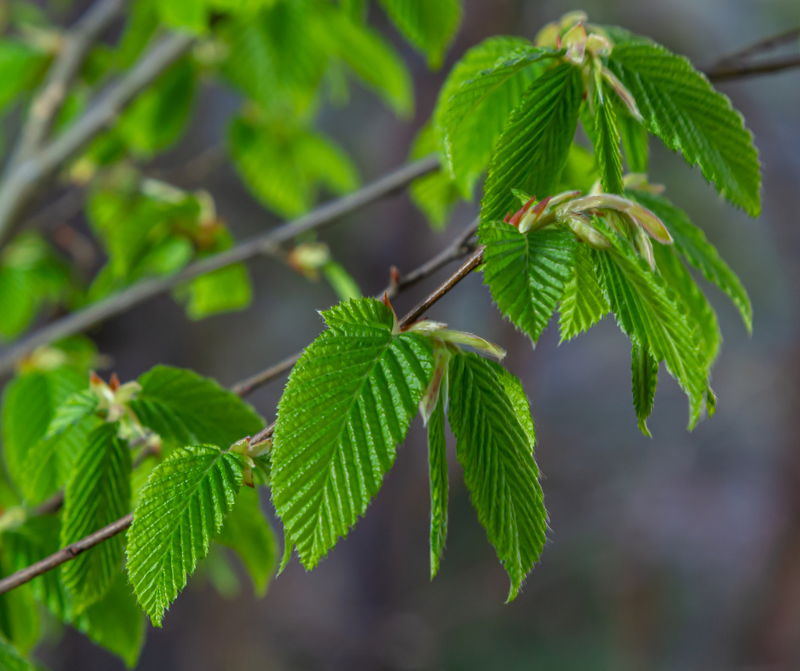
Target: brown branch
71, 551
736, 71
766, 44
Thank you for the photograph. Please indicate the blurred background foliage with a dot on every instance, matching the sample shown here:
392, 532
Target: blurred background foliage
678, 552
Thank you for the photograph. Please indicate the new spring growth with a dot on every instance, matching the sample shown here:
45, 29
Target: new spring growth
113, 399
249, 451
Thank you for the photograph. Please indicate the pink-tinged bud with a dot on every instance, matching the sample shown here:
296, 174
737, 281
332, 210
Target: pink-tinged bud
507, 218
427, 404
113, 383
623, 93
521, 212
395, 322
563, 197
532, 216
308, 258
585, 232
575, 42
598, 45
394, 276
95, 380
548, 36
471, 340
644, 247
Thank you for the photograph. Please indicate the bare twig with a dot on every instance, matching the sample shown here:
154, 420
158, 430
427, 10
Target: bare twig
737, 71
49, 99
248, 386
268, 243
767, 44
71, 551
21, 184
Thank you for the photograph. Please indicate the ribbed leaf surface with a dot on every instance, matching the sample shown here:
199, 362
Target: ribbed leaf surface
644, 379
607, 138
184, 408
73, 410
180, 510
691, 242
533, 148
681, 107
482, 91
527, 273
651, 319
583, 303
430, 26
499, 469
437, 462
635, 140
97, 494
11, 660
519, 401
347, 406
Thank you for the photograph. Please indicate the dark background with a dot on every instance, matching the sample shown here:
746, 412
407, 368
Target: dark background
680, 552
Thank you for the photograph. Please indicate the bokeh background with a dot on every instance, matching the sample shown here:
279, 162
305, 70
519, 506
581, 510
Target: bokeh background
677, 552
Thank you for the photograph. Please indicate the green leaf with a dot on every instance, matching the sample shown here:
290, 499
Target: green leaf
651, 319
499, 469
691, 242
29, 404
181, 509
583, 303
19, 617
435, 194
437, 460
224, 290
580, 172
115, 622
519, 401
22, 67
533, 149
97, 494
347, 405
141, 25
74, 409
606, 148
634, 138
248, 532
644, 378
429, 26
527, 273
476, 101
185, 408
11, 660
191, 14
681, 107
342, 282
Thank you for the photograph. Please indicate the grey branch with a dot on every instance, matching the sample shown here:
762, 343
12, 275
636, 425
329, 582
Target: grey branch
49, 99
22, 183
268, 243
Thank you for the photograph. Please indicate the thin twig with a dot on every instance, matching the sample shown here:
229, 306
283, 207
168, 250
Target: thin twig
767, 44
248, 386
727, 73
22, 183
267, 243
71, 551
50, 98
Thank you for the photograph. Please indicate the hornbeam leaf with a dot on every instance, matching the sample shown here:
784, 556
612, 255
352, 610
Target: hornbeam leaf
527, 273
583, 303
11, 660
180, 510
607, 138
634, 139
184, 408
97, 494
437, 460
651, 318
680, 106
476, 101
73, 410
347, 406
429, 26
499, 469
519, 400
644, 378
534, 146
691, 242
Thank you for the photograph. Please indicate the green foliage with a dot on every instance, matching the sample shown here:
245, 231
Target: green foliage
534, 146
681, 107
185, 408
341, 281
583, 303
10, 659
75, 408
97, 494
527, 273
347, 405
248, 532
181, 508
606, 141
22, 67
437, 460
644, 379
496, 454
224, 290
19, 617
430, 26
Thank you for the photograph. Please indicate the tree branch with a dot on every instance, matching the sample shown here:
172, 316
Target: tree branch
71, 551
736, 71
767, 44
267, 243
21, 184
49, 99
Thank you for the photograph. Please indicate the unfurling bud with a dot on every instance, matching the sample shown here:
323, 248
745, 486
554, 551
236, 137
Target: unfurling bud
623, 93
440, 331
548, 36
438, 383
638, 181
533, 215
575, 42
644, 247
308, 258
569, 19
585, 232
395, 322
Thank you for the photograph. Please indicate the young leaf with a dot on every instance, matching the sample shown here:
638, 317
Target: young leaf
691, 242
97, 494
22, 66
223, 290
429, 26
583, 303
607, 140
527, 273
74, 409
115, 622
634, 138
437, 460
651, 319
534, 146
476, 101
11, 660
248, 532
681, 107
341, 281
185, 408
644, 378
519, 401
180, 510
19, 616
347, 406
499, 469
